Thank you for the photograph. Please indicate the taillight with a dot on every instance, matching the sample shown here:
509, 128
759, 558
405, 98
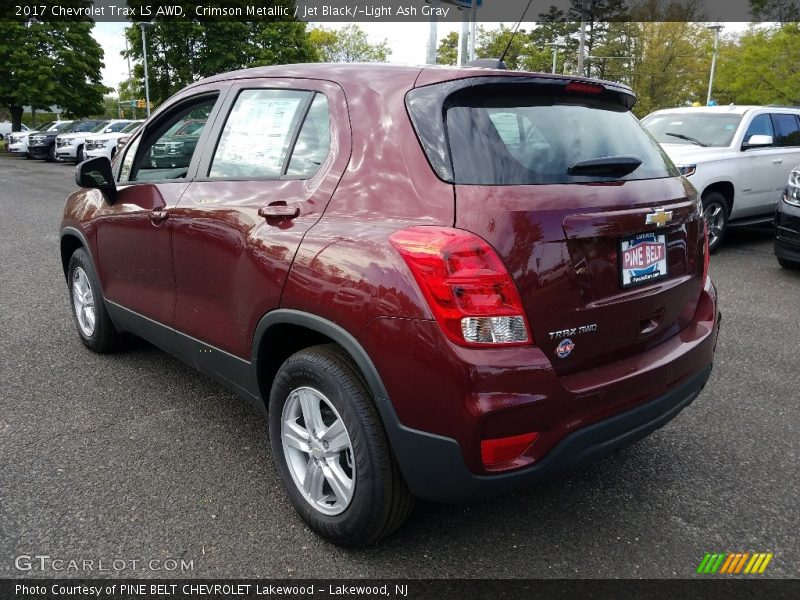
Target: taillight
466, 285
706, 253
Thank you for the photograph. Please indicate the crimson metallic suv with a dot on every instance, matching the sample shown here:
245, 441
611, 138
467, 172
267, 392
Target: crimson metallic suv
437, 282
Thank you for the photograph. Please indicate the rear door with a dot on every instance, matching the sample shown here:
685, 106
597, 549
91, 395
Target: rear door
278, 155
607, 259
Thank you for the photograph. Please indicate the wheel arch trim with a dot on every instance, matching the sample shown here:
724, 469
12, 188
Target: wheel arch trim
284, 316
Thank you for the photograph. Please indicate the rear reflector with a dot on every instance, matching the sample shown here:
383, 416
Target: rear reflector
465, 284
504, 450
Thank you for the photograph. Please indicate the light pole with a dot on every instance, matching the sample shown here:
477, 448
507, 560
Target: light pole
555, 46
146, 80
717, 29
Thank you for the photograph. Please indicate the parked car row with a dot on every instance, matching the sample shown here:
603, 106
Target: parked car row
72, 141
739, 158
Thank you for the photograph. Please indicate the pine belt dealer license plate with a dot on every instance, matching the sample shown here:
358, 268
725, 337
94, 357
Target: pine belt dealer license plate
643, 259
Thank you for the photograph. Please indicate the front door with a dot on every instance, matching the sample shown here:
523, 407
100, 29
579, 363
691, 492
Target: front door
134, 233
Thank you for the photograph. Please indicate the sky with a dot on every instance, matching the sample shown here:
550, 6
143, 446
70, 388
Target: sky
408, 42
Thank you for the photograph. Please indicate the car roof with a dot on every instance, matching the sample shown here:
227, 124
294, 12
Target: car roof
730, 109
370, 74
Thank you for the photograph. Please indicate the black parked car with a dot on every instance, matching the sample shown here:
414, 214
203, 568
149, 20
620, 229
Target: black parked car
787, 224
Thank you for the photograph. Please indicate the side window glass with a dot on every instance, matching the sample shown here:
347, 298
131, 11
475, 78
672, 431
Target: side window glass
257, 134
313, 141
166, 150
761, 125
787, 132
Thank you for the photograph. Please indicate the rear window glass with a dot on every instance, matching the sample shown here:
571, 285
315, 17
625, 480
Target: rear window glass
499, 137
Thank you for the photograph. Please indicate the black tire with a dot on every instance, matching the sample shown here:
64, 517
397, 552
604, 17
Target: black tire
51, 155
381, 501
716, 212
104, 337
788, 264
79, 156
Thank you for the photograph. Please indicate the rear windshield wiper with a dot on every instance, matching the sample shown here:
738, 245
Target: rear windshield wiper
688, 138
608, 166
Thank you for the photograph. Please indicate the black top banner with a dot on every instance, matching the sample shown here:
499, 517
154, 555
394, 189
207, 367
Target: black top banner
403, 10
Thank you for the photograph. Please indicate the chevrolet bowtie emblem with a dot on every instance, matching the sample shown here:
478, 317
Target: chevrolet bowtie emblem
660, 217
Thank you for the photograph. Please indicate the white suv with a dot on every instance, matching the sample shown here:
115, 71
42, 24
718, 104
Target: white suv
18, 140
738, 157
105, 144
70, 146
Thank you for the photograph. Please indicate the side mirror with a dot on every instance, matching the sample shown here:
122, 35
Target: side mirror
96, 173
758, 141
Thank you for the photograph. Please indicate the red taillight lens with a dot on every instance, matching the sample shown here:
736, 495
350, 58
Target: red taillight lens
466, 285
706, 253
504, 450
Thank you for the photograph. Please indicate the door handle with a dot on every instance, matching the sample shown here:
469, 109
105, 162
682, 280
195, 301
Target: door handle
777, 161
280, 211
158, 215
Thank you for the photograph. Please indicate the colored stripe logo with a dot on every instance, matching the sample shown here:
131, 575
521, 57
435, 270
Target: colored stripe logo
734, 563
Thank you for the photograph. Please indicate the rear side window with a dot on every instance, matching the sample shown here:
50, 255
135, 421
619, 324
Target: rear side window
505, 136
258, 134
787, 132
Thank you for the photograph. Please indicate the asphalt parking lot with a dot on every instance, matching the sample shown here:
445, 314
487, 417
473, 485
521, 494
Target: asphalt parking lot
137, 457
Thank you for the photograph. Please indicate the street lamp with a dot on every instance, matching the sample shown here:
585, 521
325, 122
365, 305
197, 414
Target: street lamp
144, 26
555, 46
716, 29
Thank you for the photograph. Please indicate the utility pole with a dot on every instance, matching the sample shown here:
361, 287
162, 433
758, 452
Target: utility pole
582, 41
146, 80
555, 46
717, 29
433, 34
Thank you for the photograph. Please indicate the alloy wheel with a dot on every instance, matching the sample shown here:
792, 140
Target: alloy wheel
83, 302
318, 451
714, 214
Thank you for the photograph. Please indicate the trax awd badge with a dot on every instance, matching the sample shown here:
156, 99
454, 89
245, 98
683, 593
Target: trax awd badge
566, 346
659, 217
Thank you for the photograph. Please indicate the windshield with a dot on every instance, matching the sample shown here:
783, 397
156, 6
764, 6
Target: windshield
700, 128
117, 127
191, 128
500, 136
130, 127
45, 126
100, 128
66, 127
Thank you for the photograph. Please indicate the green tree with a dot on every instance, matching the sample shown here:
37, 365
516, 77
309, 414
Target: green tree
181, 51
781, 11
763, 68
44, 63
349, 44
447, 53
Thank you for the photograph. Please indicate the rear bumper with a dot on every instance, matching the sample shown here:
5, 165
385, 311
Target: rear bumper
439, 473
457, 397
